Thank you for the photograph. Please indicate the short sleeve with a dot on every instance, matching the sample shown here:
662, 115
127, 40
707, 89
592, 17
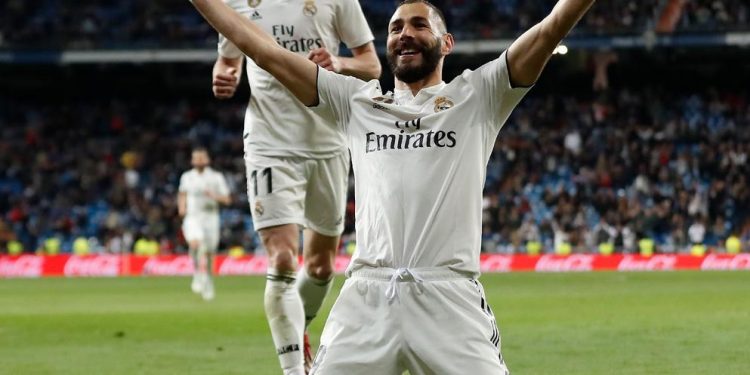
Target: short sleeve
225, 47
492, 83
351, 24
334, 94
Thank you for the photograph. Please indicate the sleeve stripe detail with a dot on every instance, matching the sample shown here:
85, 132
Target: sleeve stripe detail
317, 90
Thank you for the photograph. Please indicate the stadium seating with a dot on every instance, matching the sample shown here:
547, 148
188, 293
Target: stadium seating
91, 24
681, 160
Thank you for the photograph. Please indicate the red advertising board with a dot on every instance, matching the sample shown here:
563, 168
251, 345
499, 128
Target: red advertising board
173, 265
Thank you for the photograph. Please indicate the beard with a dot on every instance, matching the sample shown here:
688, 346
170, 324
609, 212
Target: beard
410, 74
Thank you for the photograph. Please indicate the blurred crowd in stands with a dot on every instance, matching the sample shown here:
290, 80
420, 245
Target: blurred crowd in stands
108, 172
175, 24
568, 174
574, 174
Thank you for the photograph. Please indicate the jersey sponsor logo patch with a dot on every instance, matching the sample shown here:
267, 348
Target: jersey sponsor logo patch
253, 3
310, 9
442, 103
379, 142
285, 37
382, 99
409, 137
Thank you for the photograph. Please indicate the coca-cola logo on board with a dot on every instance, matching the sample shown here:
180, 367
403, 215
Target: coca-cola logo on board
576, 262
243, 266
23, 266
653, 263
727, 262
496, 263
177, 266
99, 265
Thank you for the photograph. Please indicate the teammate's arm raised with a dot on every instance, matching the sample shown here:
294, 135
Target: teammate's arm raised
226, 76
364, 63
528, 55
298, 74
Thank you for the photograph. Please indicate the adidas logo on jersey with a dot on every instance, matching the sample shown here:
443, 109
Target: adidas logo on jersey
256, 16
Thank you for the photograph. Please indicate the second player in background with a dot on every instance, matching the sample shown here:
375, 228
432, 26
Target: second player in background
297, 166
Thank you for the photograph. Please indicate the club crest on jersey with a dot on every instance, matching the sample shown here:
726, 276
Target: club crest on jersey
259, 208
442, 103
310, 9
253, 3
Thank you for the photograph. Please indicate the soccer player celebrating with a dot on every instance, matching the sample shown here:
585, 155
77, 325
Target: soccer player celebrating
201, 191
297, 163
411, 300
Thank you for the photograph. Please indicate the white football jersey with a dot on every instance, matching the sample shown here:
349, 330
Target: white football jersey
419, 164
195, 184
276, 123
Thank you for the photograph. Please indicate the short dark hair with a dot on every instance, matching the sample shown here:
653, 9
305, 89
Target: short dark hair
200, 149
432, 6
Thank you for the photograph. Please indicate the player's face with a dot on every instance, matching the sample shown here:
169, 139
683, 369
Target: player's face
414, 43
200, 159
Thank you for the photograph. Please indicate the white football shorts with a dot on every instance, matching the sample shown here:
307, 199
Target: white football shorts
203, 229
293, 190
426, 321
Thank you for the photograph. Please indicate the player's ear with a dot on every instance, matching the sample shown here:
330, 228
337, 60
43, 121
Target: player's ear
447, 45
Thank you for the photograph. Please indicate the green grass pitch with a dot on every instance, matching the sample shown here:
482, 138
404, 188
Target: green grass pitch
586, 323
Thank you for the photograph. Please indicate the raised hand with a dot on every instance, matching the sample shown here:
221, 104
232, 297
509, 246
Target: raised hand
325, 60
224, 84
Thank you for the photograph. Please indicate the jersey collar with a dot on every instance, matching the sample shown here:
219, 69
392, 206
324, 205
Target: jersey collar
404, 97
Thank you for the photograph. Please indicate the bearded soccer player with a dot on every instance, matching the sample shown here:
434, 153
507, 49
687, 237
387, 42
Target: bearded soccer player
201, 191
411, 300
297, 164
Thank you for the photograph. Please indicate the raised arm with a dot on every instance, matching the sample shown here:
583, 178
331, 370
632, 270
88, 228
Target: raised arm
298, 74
363, 64
528, 55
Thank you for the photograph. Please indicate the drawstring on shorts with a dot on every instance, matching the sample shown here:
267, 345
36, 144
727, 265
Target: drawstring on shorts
401, 275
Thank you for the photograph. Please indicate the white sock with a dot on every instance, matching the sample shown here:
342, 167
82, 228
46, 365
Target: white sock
209, 256
313, 292
286, 318
196, 262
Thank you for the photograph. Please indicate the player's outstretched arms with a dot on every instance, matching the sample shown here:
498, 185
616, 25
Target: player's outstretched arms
226, 76
298, 74
528, 55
